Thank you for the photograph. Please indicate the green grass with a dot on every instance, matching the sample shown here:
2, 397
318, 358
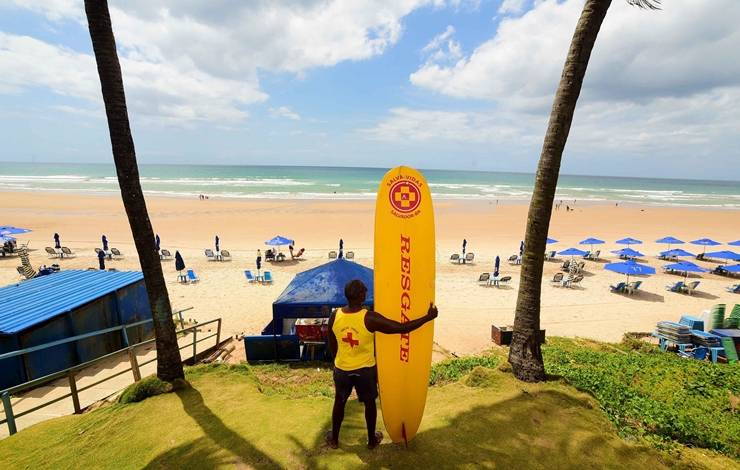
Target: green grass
652, 394
275, 416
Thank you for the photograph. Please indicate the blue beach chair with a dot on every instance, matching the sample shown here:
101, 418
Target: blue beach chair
618, 288
250, 277
268, 278
675, 287
192, 277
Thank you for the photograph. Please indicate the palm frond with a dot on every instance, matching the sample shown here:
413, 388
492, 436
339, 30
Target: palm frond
647, 4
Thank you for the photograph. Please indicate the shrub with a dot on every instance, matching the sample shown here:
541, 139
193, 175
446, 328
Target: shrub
143, 389
451, 370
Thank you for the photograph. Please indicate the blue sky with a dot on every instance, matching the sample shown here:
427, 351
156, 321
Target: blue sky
431, 83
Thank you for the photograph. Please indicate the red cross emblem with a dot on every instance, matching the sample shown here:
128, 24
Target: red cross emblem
351, 341
405, 196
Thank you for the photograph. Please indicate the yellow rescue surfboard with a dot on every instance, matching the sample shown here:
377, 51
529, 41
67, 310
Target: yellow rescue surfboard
404, 286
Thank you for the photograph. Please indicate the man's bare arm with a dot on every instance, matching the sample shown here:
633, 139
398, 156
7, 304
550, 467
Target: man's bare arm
376, 322
333, 346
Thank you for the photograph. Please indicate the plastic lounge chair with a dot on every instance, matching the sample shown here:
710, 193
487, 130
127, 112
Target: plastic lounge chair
297, 255
469, 257
675, 287
350, 255
557, 278
165, 254
51, 252
565, 266
250, 277
267, 279
225, 255
115, 252
332, 254
454, 258
633, 287
733, 289
618, 288
690, 288
209, 254
67, 253
513, 259
595, 255
549, 255
699, 353
484, 278
576, 281
587, 255
192, 277
97, 250
505, 280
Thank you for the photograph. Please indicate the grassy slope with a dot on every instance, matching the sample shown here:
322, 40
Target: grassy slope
237, 417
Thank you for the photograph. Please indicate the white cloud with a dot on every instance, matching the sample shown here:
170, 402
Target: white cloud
511, 7
285, 112
188, 60
443, 47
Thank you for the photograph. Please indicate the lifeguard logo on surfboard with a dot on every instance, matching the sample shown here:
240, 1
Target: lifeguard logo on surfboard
405, 196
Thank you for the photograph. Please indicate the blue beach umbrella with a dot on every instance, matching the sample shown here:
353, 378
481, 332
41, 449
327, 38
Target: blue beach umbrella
676, 252
630, 268
278, 241
705, 242
156, 241
629, 241
724, 254
669, 241
57, 243
573, 252
735, 243
10, 230
735, 268
496, 265
6, 238
628, 252
105, 243
550, 241
685, 267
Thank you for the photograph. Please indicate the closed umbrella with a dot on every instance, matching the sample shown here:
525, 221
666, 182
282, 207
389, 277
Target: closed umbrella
496, 266
217, 243
521, 249
101, 260
105, 243
705, 242
156, 241
259, 264
630, 268
669, 241
464, 245
57, 243
341, 249
629, 241
179, 265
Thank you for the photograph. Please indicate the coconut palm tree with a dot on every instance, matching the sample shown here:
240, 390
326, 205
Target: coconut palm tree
525, 355
169, 364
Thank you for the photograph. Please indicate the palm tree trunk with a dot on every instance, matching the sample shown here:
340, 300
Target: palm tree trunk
169, 364
525, 355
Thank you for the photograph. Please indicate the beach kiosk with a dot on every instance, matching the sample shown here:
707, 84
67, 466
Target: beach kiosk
63, 305
298, 329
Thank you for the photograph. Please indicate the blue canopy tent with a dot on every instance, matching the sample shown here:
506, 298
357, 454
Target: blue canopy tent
628, 253
311, 294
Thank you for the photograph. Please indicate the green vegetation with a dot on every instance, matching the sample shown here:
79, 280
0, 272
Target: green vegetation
658, 396
143, 389
275, 416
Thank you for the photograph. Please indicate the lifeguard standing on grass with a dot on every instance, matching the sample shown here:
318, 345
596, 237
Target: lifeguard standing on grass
352, 343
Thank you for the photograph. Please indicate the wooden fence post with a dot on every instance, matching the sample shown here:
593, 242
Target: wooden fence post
134, 364
73, 390
195, 343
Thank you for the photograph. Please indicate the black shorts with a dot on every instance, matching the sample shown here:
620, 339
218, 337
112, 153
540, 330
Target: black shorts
364, 381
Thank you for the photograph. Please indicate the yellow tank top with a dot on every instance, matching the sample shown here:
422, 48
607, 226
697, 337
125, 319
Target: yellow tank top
356, 345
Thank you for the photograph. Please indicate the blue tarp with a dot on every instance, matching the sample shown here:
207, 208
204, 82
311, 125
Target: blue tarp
31, 302
313, 293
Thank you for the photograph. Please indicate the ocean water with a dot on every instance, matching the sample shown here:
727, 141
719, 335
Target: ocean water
259, 182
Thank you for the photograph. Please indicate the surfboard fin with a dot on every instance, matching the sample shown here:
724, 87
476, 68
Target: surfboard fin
403, 433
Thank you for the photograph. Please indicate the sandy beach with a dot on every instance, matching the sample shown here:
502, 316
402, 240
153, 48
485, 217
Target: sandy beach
467, 310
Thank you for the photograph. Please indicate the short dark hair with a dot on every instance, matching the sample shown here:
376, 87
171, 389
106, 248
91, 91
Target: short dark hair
355, 290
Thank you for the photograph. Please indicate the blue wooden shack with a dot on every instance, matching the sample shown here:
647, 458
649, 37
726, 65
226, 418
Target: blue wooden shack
62, 305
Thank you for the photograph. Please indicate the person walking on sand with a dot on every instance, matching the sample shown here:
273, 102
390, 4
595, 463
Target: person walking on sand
354, 357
